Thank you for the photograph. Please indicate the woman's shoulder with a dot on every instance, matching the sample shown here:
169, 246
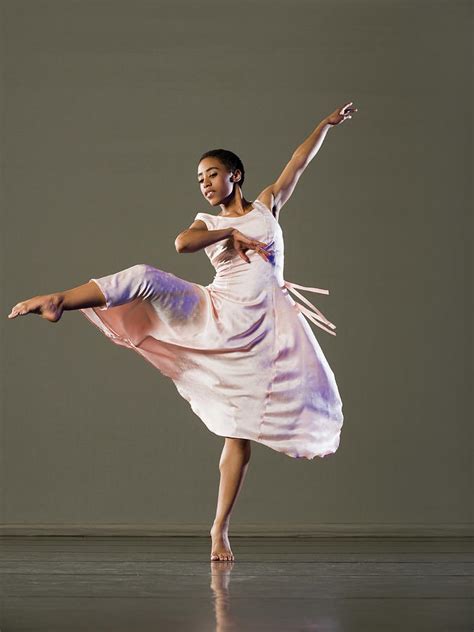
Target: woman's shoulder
266, 198
263, 201
207, 218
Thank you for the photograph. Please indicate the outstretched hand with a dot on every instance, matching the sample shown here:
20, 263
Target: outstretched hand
241, 243
340, 114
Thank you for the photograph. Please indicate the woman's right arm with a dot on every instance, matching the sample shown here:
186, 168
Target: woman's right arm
197, 236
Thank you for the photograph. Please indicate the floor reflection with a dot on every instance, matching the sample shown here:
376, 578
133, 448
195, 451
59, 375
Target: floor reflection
97, 584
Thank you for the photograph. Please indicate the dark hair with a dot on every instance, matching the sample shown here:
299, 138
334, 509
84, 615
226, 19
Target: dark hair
228, 159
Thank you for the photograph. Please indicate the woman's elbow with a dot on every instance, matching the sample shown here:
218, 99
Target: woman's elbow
178, 244
181, 244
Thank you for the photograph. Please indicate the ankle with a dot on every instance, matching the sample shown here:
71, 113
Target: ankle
58, 299
220, 526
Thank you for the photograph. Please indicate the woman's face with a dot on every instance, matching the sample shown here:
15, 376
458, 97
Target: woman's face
215, 180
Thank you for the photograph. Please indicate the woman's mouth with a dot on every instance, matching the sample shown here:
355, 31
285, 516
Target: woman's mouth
210, 193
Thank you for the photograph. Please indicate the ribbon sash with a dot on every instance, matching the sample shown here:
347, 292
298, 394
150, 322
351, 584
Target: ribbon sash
313, 313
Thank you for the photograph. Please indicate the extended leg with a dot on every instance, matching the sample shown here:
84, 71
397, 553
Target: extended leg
51, 306
233, 466
140, 280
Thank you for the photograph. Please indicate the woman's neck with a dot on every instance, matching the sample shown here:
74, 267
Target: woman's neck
235, 207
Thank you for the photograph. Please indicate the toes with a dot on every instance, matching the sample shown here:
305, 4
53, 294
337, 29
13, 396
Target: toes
18, 309
222, 557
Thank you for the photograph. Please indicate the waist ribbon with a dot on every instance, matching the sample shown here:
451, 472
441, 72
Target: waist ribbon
313, 313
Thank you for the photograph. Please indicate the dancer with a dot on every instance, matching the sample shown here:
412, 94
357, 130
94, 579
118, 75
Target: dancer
239, 350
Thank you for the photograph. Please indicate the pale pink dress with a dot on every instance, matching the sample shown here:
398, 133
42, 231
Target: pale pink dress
239, 350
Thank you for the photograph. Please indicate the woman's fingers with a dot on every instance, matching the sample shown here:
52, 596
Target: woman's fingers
259, 246
345, 110
263, 253
263, 250
244, 256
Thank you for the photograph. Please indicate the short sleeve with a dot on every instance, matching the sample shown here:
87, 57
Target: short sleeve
207, 219
103, 288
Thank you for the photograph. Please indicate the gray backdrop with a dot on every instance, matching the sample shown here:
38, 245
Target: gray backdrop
106, 108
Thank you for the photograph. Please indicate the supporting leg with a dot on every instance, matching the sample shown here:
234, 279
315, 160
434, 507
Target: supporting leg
233, 466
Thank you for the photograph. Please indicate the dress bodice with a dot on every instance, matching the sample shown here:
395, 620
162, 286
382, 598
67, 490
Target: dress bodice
230, 268
247, 281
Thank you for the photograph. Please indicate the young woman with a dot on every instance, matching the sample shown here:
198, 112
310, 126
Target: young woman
239, 349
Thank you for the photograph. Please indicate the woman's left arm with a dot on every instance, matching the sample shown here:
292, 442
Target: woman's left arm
284, 186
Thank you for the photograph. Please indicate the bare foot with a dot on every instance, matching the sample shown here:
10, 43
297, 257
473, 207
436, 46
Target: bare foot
220, 550
49, 306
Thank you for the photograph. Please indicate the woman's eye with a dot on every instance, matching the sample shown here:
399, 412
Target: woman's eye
212, 175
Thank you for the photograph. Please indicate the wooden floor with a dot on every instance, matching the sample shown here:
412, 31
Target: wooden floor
101, 584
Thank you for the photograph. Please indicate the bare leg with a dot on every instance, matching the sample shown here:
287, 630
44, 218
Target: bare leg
51, 306
233, 466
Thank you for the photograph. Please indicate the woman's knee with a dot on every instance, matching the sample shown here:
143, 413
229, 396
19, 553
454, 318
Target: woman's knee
152, 282
143, 269
239, 445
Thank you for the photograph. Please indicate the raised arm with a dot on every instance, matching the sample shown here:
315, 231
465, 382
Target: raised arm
284, 186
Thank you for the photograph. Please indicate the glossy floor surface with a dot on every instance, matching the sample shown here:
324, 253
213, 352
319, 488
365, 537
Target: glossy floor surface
100, 584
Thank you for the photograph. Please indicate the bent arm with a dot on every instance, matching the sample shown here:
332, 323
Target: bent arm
197, 236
